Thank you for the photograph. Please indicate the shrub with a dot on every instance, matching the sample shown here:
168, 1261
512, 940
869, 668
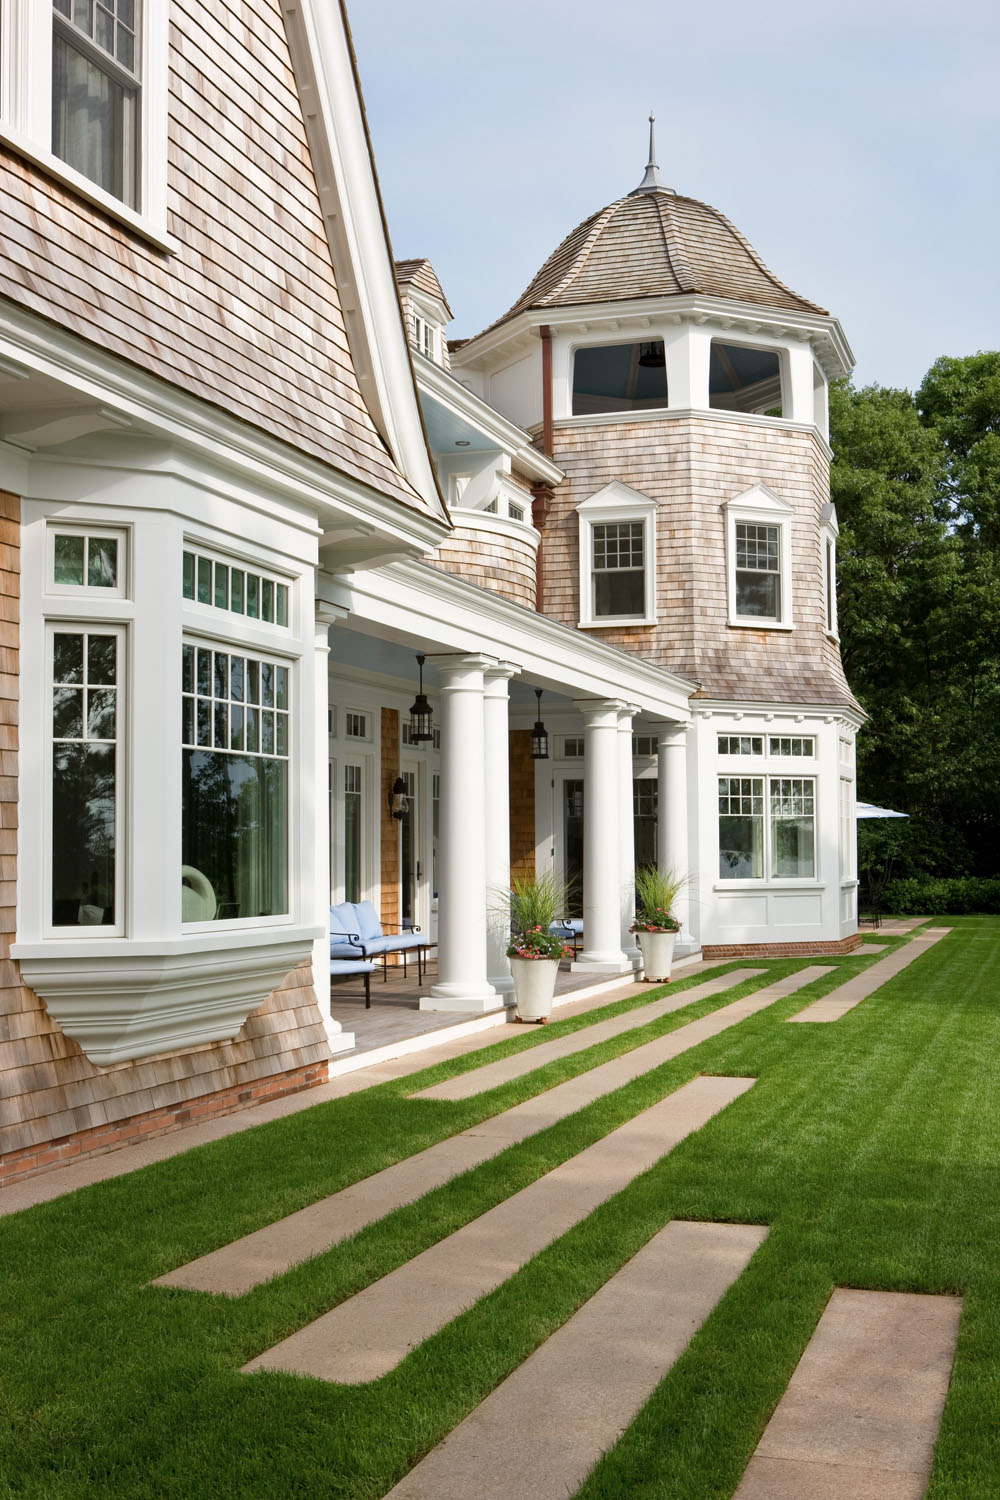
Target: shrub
956, 895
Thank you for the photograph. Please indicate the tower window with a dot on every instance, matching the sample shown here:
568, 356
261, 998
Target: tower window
619, 377
744, 379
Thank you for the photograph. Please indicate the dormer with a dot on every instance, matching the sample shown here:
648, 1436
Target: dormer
426, 313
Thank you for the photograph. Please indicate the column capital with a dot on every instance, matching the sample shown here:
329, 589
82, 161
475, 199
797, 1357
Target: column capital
626, 714
498, 675
671, 732
328, 614
598, 713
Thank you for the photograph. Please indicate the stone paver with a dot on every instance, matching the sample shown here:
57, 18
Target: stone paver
540, 1432
847, 996
369, 1334
492, 1075
861, 1413
238, 1267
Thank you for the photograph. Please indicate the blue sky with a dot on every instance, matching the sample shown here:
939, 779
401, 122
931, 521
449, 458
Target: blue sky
855, 145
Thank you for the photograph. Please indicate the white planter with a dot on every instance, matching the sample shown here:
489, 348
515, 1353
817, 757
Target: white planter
657, 950
534, 986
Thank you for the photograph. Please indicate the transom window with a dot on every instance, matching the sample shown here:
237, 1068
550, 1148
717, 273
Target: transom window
80, 561
767, 823
573, 747
741, 744
792, 745
85, 738
238, 590
619, 569
235, 738
95, 92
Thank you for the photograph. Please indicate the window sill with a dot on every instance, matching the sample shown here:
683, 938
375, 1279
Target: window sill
632, 622
148, 229
739, 623
787, 883
123, 1000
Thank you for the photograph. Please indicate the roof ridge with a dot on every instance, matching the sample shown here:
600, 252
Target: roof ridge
668, 220
600, 219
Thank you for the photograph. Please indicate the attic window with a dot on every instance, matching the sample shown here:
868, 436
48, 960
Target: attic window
744, 379
619, 377
425, 336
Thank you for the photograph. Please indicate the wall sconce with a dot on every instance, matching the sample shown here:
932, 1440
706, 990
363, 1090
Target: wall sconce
539, 735
421, 727
399, 802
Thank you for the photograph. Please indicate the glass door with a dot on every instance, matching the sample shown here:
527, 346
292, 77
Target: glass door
410, 864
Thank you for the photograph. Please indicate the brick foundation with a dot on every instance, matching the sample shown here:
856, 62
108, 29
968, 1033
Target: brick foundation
835, 948
101, 1139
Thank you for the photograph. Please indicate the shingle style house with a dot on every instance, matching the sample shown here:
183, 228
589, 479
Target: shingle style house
244, 483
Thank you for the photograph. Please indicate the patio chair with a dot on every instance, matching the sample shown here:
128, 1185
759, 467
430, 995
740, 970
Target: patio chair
359, 933
347, 968
570, 929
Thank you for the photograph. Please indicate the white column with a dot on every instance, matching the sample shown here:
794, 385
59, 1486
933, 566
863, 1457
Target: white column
601, 840
671, 820
626, 836
496, 760
339, 1039
462, 894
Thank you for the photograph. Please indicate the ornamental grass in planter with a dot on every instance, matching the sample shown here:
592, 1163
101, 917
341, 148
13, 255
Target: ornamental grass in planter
655, 925
536, 902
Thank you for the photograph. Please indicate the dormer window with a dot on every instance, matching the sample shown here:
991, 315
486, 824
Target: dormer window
744, 379
617, 558
760, 560
425, 337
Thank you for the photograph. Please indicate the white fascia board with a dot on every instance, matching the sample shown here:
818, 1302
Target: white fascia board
362, 258
710, 708
513, 440
643, 312
220, 441
414, 602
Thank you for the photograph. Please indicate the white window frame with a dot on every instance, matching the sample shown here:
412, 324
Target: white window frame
425, 336
26, 111
616, 504
759, 506
121, 589
120, 630
829, 531
756, 882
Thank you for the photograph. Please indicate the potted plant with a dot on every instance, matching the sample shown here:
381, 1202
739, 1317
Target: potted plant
655, 926
536, 902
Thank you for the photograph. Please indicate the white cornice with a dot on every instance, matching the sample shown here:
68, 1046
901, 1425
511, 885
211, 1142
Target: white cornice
821, 330
513, 440
416, 604
338, 143
153, 406
710, 708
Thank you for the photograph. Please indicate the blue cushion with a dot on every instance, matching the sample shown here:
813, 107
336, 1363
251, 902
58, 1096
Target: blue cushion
343, 919
350, 966
368, 925
341, 949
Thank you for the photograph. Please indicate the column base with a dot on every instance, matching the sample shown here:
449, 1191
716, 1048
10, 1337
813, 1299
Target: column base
338, 1040
503, 984
601, 963
471, 999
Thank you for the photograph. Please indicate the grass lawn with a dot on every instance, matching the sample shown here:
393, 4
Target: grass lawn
871, 1147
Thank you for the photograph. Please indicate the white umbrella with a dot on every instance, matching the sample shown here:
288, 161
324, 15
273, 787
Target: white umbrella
869, 810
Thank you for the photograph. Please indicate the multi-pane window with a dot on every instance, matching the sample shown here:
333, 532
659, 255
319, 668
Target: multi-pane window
741, 827
643, 745
767, 823
741, 744
644, 807
240, 591
573, 747
355, 727
86, 731
793, 827
85, 561
352, 832
758, 570
424, 336
95, 91
619, 569
791, 745
235, 733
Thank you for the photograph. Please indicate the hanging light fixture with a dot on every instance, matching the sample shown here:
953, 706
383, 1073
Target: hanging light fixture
399, 802
421, 728
539, 735
652, 355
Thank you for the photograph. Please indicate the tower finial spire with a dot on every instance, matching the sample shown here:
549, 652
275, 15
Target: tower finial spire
652, 182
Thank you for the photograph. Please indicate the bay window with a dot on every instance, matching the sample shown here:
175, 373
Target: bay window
235, 737
767, 823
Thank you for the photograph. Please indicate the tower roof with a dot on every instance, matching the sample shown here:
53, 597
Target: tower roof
655, 243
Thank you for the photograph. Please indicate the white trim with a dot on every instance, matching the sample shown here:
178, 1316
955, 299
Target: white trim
616, 503
761, 506
508, 437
